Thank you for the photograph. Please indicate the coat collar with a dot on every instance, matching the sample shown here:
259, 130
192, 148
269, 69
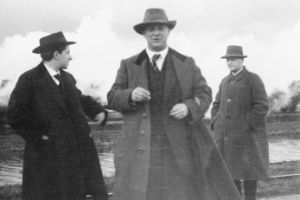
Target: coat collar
240, 75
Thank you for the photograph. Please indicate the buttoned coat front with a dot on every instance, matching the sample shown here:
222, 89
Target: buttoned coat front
239, 121
132, 153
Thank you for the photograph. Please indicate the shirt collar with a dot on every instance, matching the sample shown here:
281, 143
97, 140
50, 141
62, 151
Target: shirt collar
236, 73
51, 71
162, 53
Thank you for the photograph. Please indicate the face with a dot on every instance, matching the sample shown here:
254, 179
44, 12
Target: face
156, 36
235, 64
63, 58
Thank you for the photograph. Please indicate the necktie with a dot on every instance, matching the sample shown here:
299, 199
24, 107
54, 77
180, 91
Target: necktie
59, 78
155, 57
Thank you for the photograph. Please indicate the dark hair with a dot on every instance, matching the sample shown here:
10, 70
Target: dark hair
47, 56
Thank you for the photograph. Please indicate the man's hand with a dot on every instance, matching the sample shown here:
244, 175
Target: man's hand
99, 119
179, 111
140, 94
45, 137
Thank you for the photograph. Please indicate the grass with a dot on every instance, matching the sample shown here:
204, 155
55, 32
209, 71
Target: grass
10, 192
279, 187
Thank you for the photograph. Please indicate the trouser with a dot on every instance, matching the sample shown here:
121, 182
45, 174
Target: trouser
250, 187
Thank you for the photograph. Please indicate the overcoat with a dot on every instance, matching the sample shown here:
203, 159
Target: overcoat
133, 147
66, 166
239, 120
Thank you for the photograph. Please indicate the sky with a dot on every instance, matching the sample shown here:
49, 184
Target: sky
268, 30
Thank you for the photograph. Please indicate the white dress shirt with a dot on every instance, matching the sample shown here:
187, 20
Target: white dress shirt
52, 73
161, 59
236, 73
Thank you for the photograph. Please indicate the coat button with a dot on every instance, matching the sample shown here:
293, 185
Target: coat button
140, 150
225, 138
144, 115
142, 133
228, 100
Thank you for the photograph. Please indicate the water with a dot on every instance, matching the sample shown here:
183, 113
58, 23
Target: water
10, 172
284, 150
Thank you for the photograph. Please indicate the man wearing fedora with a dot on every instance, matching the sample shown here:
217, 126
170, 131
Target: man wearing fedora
48, 111
164, 151
239, 121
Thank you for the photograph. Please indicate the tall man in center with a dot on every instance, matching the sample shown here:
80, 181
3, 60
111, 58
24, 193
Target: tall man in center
161, 94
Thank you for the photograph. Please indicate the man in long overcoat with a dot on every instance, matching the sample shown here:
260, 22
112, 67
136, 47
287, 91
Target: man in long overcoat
163, 98
48, 111
239, 121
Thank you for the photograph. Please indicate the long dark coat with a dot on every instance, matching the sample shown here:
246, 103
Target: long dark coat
188, 138
239, 120
66, 166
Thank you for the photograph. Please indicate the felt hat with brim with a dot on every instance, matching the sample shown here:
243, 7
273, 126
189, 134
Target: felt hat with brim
234, 51
50, 42
154, 16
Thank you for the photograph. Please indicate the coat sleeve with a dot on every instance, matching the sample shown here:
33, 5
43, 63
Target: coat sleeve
119, 95
260, 103
20, 115
215, 107
202, 95
89, 105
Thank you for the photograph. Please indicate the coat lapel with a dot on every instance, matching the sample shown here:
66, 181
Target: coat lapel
140, 68
241, 75
70, 90
49, 87
183, 75
169, 81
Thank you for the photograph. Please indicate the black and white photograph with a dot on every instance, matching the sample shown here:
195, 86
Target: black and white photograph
149, 100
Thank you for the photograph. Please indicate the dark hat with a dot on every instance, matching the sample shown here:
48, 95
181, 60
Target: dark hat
49, 42
154, 16
234, 51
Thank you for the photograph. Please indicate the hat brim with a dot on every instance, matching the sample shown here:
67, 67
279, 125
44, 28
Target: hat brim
140, 28
50, 46
234, 56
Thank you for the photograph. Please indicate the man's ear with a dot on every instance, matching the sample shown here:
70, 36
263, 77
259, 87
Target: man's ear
55, 54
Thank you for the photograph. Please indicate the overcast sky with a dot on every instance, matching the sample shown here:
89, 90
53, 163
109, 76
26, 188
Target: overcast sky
268, 30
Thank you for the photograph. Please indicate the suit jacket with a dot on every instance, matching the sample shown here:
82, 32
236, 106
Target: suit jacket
239, 118
133, 147
66, 165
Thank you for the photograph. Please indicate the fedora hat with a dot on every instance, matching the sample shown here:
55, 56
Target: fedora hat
234, 51
154, 16
49, 42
